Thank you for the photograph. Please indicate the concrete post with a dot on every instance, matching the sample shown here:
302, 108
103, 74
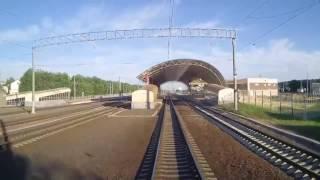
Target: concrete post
74, 87
33, 110
120, 88
280, 102
270, 101
112, 87
262, 98
305, 108
292, 105
234, 76
255, 98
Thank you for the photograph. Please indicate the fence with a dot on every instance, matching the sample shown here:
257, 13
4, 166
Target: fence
60, 99
80, 98
297, 105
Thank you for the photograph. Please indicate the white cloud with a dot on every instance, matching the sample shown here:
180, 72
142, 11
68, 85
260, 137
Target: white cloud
90, 18
280, 60
25, 34
149, 15
207, 24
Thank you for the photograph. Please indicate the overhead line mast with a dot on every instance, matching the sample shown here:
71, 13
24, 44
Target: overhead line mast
125, 34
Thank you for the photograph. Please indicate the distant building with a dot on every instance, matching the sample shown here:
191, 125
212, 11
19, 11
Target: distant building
2, 97
197, 85
315, 88
258, 86
5, 89
14, 87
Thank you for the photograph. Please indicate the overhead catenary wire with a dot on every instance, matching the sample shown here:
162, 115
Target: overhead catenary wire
293, 11
260, 5
282, 23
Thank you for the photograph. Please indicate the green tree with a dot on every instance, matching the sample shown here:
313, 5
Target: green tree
87, 85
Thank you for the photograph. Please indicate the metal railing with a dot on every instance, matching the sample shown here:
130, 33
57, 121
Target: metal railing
297, 104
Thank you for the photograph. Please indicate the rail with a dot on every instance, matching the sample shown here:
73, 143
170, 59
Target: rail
293, 160
172, 152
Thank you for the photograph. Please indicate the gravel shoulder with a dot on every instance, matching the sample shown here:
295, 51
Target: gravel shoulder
227, 158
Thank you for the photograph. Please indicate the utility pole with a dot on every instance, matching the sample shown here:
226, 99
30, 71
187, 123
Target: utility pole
307, 84
234, 76
33, 110
120, 86
74, 87
112, 87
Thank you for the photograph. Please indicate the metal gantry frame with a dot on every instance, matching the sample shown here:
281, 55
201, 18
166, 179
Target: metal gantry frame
135, 34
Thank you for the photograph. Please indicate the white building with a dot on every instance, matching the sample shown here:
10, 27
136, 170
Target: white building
258, 86
5, 89
2, 97
197, 85
14, 87
315, 88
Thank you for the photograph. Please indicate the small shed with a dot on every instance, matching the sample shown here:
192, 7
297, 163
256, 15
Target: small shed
142, 99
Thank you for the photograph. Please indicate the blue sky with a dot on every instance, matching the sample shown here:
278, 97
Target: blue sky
289, 52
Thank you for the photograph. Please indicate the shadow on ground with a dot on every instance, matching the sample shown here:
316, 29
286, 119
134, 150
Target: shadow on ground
117, 103
17, 167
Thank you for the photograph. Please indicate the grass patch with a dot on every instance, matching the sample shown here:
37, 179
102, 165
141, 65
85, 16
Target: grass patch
296, 123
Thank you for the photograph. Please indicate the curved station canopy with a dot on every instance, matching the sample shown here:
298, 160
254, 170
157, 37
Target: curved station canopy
184, 70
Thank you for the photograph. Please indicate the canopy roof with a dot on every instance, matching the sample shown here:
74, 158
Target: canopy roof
184, 70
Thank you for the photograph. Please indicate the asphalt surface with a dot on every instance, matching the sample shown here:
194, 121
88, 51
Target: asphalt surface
110, 146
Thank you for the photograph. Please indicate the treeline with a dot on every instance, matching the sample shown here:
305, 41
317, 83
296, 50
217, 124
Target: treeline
84, 85
294, 85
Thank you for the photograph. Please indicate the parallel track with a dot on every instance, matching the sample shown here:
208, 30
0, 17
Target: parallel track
172, 152
56, 112
24, 135
294, 161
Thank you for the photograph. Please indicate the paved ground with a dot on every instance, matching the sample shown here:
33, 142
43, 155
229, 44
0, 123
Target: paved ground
111, 146
227, 158
15, 113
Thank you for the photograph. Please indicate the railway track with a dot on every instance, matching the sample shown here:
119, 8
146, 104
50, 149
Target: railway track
55, 112
34, 132
172, 152
294, 161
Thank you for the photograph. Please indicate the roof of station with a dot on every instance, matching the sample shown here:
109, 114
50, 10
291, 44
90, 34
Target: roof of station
184, 70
